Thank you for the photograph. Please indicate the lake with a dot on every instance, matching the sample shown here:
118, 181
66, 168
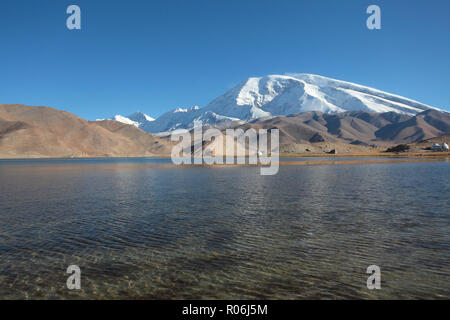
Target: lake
142, 229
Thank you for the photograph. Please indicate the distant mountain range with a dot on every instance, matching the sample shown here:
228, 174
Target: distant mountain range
280, 95
313, 113
33, 132
357, 128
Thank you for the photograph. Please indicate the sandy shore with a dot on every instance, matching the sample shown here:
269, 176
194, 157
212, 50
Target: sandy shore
119, 166
282, 155
369, 154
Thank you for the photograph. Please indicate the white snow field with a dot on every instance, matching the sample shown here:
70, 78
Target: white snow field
277, 95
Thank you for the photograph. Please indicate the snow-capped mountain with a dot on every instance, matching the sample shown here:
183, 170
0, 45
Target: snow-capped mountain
137, 119
126, 120
140, 117
278, 95
184, 118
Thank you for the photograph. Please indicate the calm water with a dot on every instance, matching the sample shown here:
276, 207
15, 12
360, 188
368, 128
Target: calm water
144, 232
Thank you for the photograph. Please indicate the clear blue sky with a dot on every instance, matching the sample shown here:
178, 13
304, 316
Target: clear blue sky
155, 55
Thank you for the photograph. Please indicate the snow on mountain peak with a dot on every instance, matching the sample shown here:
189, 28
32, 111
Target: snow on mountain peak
278, 95
186, 109
275, 95
140, 117
137, 119
126, 120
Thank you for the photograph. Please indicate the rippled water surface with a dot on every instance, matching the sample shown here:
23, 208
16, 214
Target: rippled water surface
149, 232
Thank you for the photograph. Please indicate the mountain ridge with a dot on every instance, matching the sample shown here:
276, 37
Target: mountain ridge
283, 95
40, 132
356, 127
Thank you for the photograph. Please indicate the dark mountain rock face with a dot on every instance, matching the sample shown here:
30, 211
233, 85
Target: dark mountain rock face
359, 127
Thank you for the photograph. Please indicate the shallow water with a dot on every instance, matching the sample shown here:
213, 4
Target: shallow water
223, 232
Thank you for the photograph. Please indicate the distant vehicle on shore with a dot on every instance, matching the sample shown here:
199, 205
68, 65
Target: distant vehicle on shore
439, 147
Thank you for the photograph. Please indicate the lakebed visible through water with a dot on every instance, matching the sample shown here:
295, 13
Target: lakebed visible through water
144, 229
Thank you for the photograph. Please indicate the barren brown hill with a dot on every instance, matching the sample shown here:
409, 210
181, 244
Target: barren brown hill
356, 127
150, 142
425, 125
294, 129
31, 132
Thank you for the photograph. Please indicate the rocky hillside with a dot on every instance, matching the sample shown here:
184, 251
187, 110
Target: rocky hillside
356, 127
30, 132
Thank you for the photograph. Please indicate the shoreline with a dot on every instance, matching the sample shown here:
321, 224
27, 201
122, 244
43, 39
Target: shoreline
120, 166
369, 154
282, 155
